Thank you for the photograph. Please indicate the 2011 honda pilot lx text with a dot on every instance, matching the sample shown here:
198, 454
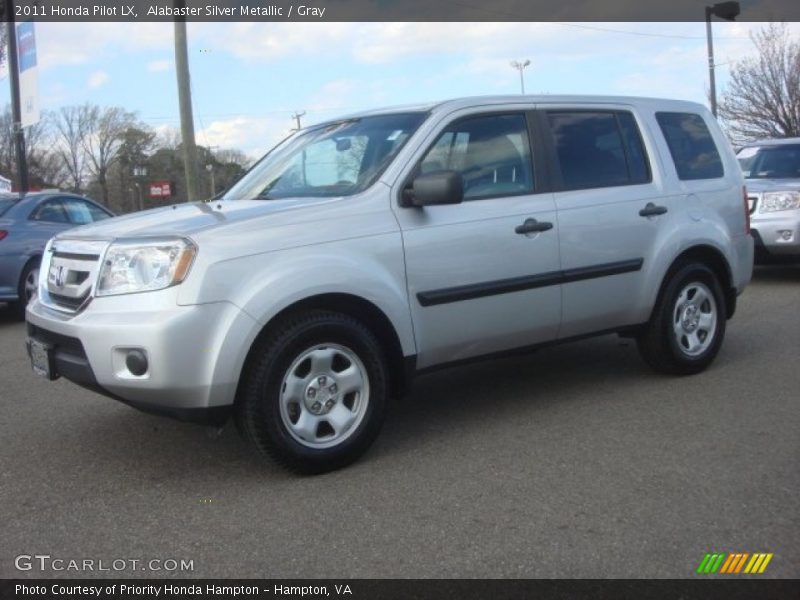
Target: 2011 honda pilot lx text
366, 249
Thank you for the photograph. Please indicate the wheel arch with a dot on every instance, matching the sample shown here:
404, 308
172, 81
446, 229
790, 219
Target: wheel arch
715, 260
400, 366
33, 259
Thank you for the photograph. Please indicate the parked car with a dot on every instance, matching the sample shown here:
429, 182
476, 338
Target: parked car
26, 223
772, 173
370, 248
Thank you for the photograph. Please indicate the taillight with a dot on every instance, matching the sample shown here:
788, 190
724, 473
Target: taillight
746, 211
3, 234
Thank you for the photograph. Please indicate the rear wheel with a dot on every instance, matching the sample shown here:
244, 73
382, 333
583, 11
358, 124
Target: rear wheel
688, 323
314, 395
26, 290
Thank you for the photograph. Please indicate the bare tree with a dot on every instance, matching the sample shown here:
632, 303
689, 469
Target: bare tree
44, 168
3, 42
104, 134
232, 156
763, 97
70, 124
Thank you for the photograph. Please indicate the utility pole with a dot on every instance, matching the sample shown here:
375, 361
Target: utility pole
296, 116
185, 103
13, 67
724, 10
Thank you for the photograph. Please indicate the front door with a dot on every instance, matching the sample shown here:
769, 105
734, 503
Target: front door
483, 275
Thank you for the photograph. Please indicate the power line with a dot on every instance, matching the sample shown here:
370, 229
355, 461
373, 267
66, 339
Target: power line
504, 13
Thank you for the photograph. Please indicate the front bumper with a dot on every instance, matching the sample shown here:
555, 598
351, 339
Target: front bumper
195, 353
777, 234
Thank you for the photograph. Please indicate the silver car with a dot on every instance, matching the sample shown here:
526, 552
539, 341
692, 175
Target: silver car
370, 248
772, 173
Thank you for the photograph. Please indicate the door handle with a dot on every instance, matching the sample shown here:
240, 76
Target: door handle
533, 226
652, 210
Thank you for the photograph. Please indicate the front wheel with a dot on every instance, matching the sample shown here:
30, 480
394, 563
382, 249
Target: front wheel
314, 394
688, 323
27, 287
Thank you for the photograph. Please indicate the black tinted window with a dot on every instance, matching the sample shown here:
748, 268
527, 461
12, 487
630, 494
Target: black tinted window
491, 153
590, 149
691, 145
638, 167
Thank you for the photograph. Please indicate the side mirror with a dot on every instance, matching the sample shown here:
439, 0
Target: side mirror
431, 189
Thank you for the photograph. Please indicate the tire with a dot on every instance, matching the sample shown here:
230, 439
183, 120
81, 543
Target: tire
26, 287
687, 327
314, 393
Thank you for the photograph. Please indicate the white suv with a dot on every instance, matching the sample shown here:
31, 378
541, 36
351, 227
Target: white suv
369, 248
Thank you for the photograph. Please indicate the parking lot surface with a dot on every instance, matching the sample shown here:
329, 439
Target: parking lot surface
576, 461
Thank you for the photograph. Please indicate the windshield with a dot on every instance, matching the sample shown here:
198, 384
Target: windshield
770, 162
335, 159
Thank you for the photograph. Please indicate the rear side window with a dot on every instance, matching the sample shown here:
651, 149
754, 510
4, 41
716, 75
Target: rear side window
598, 149
81, 212
691, 146
50, 211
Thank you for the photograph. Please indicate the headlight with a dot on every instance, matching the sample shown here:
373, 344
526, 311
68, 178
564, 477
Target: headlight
775, 201
144, 266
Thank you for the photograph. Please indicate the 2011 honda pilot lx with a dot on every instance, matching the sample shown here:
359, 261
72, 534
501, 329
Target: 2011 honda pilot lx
369, 248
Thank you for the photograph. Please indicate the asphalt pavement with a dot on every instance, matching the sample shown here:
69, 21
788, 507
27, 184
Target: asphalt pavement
575, 461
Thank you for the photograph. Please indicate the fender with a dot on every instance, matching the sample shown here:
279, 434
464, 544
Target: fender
263, 285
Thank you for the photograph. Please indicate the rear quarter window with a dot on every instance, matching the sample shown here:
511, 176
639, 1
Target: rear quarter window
690, 143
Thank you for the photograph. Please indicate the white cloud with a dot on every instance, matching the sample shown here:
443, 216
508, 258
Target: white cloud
84, 43
97, 79
253, 135
157, 66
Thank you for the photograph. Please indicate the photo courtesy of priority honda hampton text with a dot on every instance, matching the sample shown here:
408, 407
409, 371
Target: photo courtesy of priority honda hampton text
369, 248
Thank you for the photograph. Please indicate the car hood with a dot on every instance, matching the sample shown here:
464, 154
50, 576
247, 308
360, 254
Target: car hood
772, 185
185, 219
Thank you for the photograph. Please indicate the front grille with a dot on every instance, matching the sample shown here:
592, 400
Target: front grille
71, 269
63, 343
76, 256
67, 302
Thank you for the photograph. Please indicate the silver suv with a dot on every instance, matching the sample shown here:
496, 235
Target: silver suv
772, 172
370, 248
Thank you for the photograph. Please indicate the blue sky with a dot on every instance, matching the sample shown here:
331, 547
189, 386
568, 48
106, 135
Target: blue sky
248, 78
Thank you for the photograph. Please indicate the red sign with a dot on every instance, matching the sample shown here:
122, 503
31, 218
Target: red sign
160, 189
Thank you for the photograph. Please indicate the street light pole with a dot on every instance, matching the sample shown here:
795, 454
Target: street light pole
711, 76
520, 66
210, 169
724, 10
16, 108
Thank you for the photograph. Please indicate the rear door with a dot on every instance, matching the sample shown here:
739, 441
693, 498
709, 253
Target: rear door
610, 212
479, 279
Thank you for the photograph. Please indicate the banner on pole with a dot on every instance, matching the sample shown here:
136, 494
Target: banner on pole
28, 74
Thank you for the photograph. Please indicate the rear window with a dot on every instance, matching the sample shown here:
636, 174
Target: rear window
691, 146
598, 149
5, 204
